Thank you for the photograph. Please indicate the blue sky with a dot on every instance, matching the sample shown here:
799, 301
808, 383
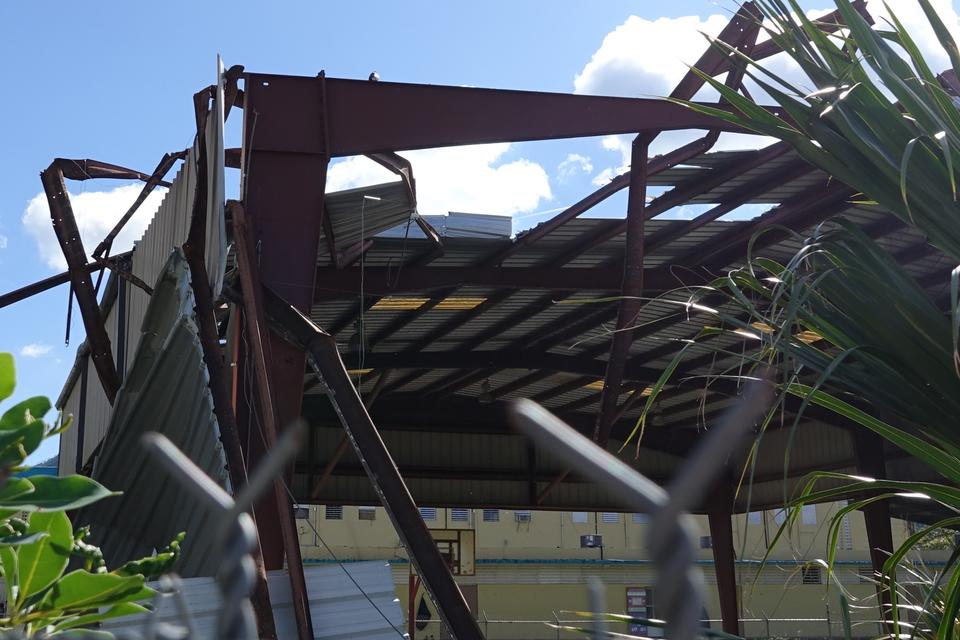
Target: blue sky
86, 81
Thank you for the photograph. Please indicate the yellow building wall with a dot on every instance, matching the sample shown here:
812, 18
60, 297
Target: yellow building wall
533, 571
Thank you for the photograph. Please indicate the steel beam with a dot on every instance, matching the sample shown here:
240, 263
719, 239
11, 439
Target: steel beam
721, 533
375, 117
219, 384
632, 289
500, 359
871, 463
325, 360
283, 196
65, 226
254, 323
46, 284
333, 284
165, 164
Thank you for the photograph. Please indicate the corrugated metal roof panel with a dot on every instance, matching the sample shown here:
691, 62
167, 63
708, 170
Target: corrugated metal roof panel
166, 391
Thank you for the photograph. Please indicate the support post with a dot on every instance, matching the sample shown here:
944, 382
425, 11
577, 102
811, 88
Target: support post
283, 186
226, 419
876, 515
724, 562
268, 412
322, 354
631, 289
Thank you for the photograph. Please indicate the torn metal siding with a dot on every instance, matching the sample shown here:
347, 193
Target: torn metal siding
339, 609
166, 391
167, 230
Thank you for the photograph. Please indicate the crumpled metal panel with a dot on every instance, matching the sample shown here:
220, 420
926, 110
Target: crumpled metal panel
167, 230
166, 391
338, 608
365, 212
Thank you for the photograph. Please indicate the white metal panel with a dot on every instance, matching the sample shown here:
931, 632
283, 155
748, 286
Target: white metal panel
338, 608
216, 236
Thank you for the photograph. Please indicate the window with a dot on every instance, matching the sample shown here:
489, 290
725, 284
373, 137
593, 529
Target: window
810, 575
333, 512
867, 576
846, 535
610, 517
523, 516
460, 515
301, 513
755, 517
640, 518
428, 513
367, 513
706, 542
808, 515
491, 515
780, 516
580, 517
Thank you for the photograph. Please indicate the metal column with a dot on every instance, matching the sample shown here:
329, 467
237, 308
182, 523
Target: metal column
724, 562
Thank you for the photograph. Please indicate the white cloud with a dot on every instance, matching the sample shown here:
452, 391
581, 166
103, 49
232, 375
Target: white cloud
96, 212
35, 350
573, 164
3, 241
469, 179
644, 57
915, 22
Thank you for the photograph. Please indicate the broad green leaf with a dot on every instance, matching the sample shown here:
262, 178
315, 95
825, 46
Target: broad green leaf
81, 590
947, 465
61, 493
20, 539
8, 377
25, 412
19, 442
45, 560
15, 488
117, 611
8, 561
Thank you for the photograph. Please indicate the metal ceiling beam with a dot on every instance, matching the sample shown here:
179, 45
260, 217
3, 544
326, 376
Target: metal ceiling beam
375, 117
504, 359
333, 284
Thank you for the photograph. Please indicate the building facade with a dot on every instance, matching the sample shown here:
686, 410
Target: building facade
531, 568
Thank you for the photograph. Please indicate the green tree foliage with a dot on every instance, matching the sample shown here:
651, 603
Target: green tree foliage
38, 543
850, 330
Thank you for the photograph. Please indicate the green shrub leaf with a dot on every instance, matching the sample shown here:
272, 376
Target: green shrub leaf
81, 590
44, 561
8, 378
25, 412
60, 494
